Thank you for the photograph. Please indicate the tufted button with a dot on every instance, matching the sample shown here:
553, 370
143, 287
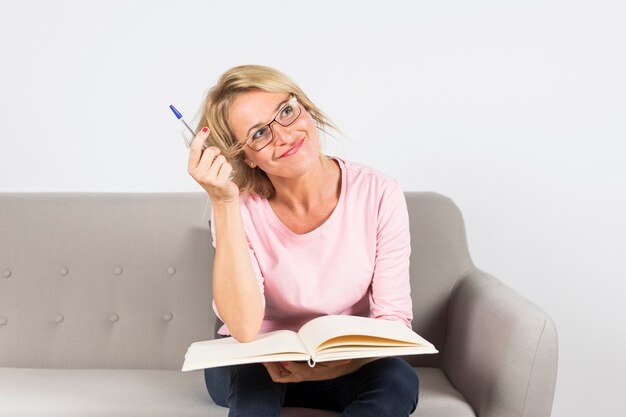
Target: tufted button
114, 317
6, 273
3, 320
168, 317
58, 318
118, 270
64, 271
171, 271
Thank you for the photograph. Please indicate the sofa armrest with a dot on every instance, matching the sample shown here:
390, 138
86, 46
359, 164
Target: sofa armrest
501, 350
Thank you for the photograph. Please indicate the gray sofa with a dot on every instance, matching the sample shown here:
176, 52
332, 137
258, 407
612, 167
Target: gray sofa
101, 294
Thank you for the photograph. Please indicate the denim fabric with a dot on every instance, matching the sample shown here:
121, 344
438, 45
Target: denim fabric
385, 387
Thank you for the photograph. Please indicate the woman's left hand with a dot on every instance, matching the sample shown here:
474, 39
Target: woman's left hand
298, 372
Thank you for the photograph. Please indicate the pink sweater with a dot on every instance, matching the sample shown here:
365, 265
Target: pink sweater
356, 263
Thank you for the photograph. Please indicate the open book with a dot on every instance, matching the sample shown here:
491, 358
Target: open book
323, 339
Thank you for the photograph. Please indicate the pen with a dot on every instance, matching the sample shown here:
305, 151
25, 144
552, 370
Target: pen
180, 117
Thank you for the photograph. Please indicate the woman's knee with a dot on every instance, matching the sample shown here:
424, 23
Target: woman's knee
397, 377
217, 382
254, 392
245, 389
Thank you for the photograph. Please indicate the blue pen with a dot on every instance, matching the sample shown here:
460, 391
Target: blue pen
180, 117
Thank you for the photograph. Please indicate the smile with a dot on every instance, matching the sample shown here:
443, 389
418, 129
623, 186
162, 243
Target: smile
294, 148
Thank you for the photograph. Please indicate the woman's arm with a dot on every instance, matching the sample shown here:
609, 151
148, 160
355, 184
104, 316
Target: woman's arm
235, 287
390, 297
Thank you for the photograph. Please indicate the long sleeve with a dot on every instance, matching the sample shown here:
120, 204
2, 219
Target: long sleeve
390, 296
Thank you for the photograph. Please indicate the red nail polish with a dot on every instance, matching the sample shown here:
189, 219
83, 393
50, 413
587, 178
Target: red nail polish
204, 129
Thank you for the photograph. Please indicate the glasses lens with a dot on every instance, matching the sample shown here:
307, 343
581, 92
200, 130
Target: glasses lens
260, 138
289, 113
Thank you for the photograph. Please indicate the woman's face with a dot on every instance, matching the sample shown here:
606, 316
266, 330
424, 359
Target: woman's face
294, 148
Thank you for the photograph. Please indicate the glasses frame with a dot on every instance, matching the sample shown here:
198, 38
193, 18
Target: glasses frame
269, 125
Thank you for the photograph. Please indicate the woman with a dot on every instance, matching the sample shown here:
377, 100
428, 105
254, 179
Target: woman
298, 235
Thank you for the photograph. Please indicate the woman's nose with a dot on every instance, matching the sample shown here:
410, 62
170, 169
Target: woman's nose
282, 134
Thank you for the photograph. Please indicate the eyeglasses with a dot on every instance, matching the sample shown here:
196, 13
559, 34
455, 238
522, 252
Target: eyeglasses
264, 135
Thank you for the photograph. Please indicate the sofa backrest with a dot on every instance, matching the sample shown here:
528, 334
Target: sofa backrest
123, 280
103, 280
439, 257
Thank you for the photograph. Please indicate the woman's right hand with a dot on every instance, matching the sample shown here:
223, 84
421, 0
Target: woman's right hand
211, 170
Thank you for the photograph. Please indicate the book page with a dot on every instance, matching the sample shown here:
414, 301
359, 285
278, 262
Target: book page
357, 340
352, 330
338, 354
280, 345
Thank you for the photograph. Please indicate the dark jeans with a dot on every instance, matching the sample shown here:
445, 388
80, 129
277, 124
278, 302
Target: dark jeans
385, 387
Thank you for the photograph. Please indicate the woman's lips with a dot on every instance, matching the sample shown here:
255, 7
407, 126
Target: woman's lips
294, 148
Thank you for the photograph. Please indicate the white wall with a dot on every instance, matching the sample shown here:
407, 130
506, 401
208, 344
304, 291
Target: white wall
516, 110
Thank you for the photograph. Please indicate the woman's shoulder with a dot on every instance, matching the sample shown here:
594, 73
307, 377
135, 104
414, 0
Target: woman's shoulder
252, 202
361, 175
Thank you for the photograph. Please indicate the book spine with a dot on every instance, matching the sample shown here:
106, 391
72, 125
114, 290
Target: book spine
311, 361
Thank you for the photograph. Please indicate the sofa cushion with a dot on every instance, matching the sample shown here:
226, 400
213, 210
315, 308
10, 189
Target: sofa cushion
129, 392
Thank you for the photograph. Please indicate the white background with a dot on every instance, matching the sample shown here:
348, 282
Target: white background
515, 110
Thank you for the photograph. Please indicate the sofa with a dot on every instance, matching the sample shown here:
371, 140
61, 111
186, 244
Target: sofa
102, 293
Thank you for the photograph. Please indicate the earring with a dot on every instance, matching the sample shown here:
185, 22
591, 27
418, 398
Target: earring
252, 165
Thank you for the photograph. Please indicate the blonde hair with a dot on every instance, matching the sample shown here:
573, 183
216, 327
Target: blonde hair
215, 111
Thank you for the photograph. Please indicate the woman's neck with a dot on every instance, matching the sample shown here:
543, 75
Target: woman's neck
319, 185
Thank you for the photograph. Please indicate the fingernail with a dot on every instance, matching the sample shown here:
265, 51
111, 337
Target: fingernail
204, 129
284, 363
